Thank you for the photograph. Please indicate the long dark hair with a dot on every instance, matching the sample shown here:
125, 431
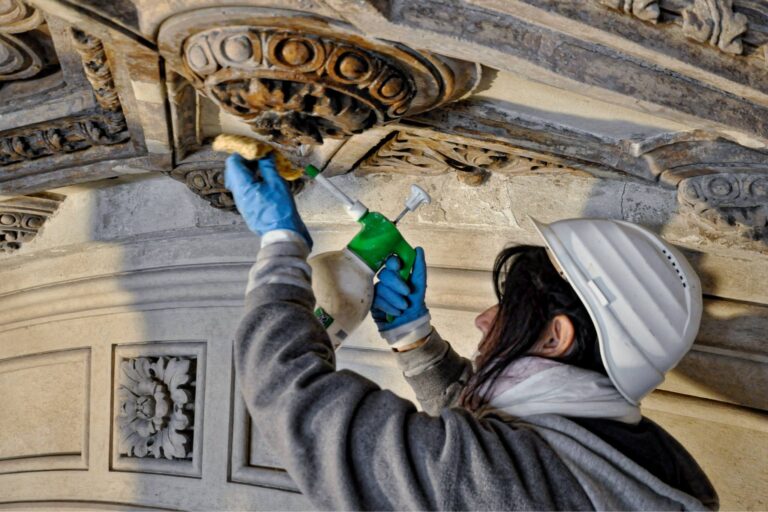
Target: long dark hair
530, 293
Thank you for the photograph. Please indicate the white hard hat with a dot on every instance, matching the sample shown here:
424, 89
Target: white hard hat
643, 296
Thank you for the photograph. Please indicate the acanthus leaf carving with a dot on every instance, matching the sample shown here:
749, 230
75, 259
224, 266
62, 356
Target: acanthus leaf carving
412, 153
711, 22
54, 138
728, 201
156, 407
22, 218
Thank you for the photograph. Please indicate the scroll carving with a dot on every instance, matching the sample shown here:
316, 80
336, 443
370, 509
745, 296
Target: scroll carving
19, 57
156, 407
22, 218
299, 82
16, 17
728, 202
411, 153
208, 183
711, 22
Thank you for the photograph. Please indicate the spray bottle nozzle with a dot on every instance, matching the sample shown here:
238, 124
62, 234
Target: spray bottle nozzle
418, 197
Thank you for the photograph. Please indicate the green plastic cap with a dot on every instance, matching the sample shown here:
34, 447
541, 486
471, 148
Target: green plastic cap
311, 170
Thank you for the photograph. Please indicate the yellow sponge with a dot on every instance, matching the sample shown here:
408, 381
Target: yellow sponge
252, 149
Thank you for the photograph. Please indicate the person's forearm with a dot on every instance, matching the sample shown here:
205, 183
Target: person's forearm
435, 371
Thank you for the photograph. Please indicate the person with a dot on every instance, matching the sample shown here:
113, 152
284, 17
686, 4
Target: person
545, 416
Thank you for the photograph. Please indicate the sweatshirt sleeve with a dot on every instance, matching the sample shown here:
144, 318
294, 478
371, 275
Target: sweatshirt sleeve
436, 372
348, 444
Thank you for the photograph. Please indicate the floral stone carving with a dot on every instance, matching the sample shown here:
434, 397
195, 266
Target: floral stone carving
297, 80
413, 153
156, 407
728, 201
711, 22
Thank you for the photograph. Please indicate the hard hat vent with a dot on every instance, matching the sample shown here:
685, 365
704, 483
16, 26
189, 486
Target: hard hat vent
675, 266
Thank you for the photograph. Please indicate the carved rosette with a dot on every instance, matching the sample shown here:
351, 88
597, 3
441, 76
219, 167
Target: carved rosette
299, 81
419, 154
156, 407
22, 218
728, 201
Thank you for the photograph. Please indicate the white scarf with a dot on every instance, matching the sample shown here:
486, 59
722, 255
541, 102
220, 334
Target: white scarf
537, 385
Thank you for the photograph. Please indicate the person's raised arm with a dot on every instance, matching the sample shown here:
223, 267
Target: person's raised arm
431, 367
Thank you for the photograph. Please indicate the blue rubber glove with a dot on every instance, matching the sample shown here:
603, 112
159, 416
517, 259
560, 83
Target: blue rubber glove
403, 302
265, 203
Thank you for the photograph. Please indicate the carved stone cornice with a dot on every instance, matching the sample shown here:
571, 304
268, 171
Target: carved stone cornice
65, 136
728, 202
712, 22
299, 80
22, 218
105, 126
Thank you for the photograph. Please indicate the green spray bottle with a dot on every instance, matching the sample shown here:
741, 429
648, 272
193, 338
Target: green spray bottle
343, 280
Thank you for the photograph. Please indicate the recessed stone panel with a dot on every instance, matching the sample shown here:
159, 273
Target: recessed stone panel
44, 411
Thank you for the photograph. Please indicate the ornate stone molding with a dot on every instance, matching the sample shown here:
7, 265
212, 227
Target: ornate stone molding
728, 202
711, 22
22, 218
299, 80
156, 404
96, 69
63, 137
104, 127
411, 153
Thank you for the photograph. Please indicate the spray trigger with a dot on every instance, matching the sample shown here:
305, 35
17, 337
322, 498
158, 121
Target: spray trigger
418, 197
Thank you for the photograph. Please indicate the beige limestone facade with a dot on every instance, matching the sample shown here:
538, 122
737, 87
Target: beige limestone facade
123, 261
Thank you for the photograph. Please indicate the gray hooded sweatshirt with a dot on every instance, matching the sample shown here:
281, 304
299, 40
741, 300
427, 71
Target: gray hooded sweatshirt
349, 445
